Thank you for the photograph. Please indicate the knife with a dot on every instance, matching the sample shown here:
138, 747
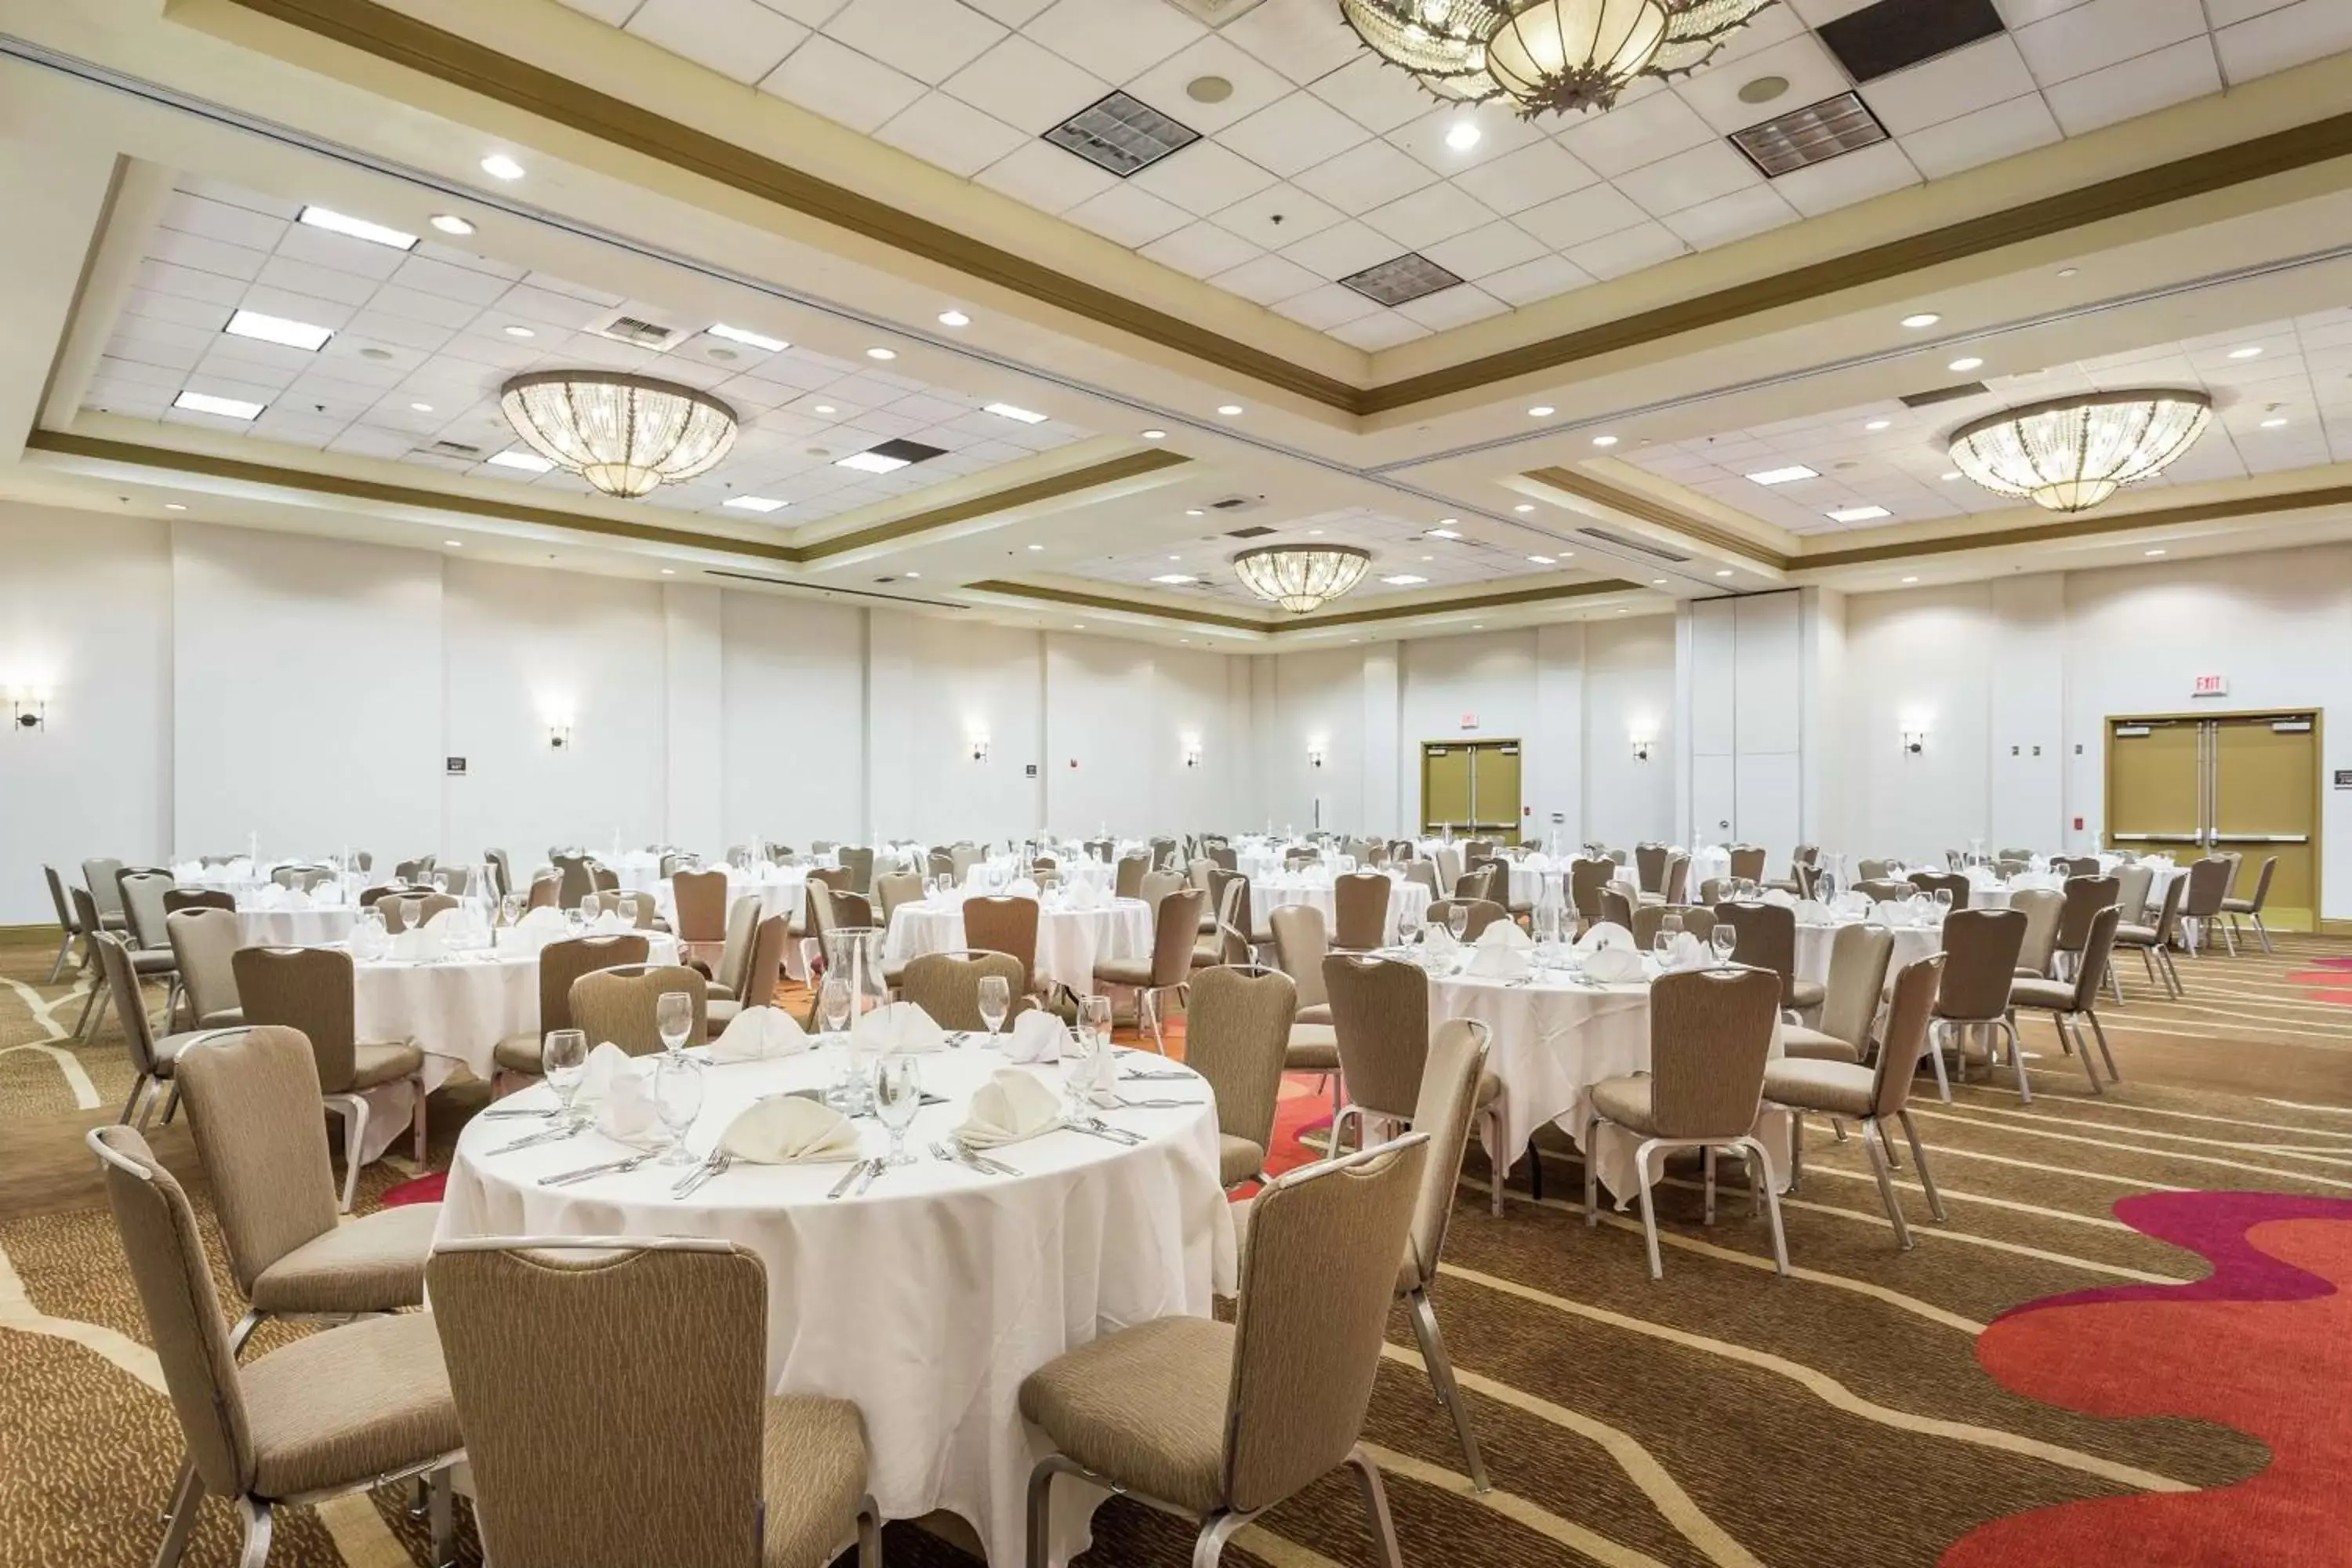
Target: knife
609, 1168
1103, 1130
552, 1134
848, 1177
873, 1169
702, 1173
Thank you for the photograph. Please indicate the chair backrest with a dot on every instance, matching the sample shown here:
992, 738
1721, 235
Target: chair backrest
562, 963
2097, 950
204, 946
1311, 1318
1768, 939
2209, 884
1445, 1112
501, 871
178, 899
2168, 917
1650, 918
698, 905
253, 1101
2086, 897
1449, 865
617, 1005
2075, 865
1859, 955
946, 985
310, 989
401, 912
1359, 909
1650, 867
1476, 852
2040, 907
1881, 891
575, 882
640, 910
1236, 1032
1158, 885
1482, 913
1587, 876
1710, 1033
1981, 949
1676, 888
1300, 948
1615, 907
1175, 930
100, 876
2008, 865
1233, 919
173, 1278
544, 889
742, 926
143, 905
58, 901
858, 861
1873, 870
1950, 882
2132, 883
1747, 862
130, 1003
1223, 856
1129, 877
896, 888
1422, 872
764, 968
1380, 1016
997, 923
1909, 1015
676, 1416
2262, 883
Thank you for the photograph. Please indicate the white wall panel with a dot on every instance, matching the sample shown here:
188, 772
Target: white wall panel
694, 673
1714, 677
792, 674
1629, 691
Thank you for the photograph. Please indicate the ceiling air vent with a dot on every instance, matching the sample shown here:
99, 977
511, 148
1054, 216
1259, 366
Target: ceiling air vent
1814, 134
1946, 395
1256, 530
644, 334
1880, 39
1625, 542
453, 449
1121, 134
1235, 503
1412, 275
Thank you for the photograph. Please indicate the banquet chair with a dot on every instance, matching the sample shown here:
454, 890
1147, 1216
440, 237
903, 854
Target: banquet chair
1158, 885
896, 888
142, 890
2006, 864
1980, 950
1883, 889
640, 910
145, 961
1165, 973
204, 943
1237, 1022
2252, 907
1228, 941
727, 979
851, 911
415, 870
1444, 1111
1950, 882
1130, 876
501, 872
1768, 939
2075, 865
69, 924
1423, 871
819, 879
603, 878
2132, 883
1859, 954
2209, 883
402, 912
1298, 855
696, 1465
2070, 1002
2154, 941
1804, 873
939, 861
178, 899
544, 891
313, 990
575, 879
1870, 1095
1587, 877
560, 963
1747, 862
1698, 920
1616, 907
1222, 856
1314, 1045
101, 995
1000, 922
764, 964
100, 876
456, 879
2085, 896
2037, 951
1483, 912
822, 846
1359, 910
1476, 852
344, 1410
616, 1004
1449, 865
1222, 1421
1379, 1012
253, 1106
859, 862
946, 985
1199, 871
1650, 868
1710, 1038
155, 1058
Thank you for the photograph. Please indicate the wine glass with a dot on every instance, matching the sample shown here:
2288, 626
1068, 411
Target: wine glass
678, 1101
995, 1002
898, 1095
1457, 921
510, 909
564, 1059
1943, 897
833, 1001
674, 1019
1723, 938
589, 908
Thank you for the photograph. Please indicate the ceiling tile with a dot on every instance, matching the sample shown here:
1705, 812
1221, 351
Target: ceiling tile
324, 282
1202, 178
738, 38
1490, 247
221, 221
1294, 134
1345, 249
1984, 73
2025, 13
1500, 133
1266, 280
1532, 281
2101, 33
2138, 86
1166, 86
189, 283
2230, 13
1116, 39
1627, 250
1687, 179
1455, 307
1731, 218
1381, 330
930, 40
1047, 177
1428, 215
1301, 39
1846, 179
1534, 174
1373, 93
950, 133
1128, 217
2274, 40
1364, 177
840, 84
1985, 136
1326, 307
1278, 216
1633, 134
1581, 216
1811, 71
1200, 249
1025, 85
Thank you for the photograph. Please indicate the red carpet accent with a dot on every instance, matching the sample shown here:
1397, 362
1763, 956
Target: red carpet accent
423, 1190
2263, 1344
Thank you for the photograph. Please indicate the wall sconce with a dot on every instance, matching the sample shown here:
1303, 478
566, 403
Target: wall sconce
980, 748
559, 733
1191, 753
1315, 754
1916, 741
1642, 749
28, 711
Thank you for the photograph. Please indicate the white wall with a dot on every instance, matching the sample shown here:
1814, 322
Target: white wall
1629, 690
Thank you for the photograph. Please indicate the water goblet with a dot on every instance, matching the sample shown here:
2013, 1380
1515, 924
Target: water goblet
1457, 921
564, 1059
678, 1101
1723, 939
898, 1096
995, 1002
674, 1019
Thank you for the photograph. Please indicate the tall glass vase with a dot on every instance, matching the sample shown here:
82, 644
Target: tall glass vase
853, 954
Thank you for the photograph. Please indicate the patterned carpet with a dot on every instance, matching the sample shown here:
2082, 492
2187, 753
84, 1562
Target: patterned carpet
2129, 1343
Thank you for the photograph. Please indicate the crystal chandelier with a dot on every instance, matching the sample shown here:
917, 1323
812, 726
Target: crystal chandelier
2072, 453
625, 435
1301, 577
1545, 56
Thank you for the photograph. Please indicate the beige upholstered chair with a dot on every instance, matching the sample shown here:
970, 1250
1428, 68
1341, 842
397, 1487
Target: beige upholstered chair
2037, 949
253, 1104
577, 879
1228, 940
1300, 949
1873, 870
694, 1464
1881, 891
2252, 907
858, 861
699, 904
2075, 865
1482, 913
1768, 939
2132, 883
2070, 1002
731, 978
1696, 920
947, 986
763, 966
2154, 941
101, 993
1129, 883
1445, 1111
2202, 906
204, 941
1359, 911
342, 1410
1379, 1011
1981, 948
1449, 865
1747, 862
1236, 1032
2085, 896
1587, 877
312, 989
1423, 872
1158, 885
1224, 1421
1168, 968
1616, 908
1870, 1095
1650, 867
1859, 955
69, 924
142, 893
616, 1004
641, 911
1710, 1034
178, 899
155, 1059
544, 889
403, 911
1950, 882
997, 923
560, 963
898, 888
99, 877
502, 867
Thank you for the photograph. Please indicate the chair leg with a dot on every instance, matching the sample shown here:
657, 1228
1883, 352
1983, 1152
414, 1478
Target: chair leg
416, 1119
2114, 982
1796, 1149
1376, 1510
1706, 1185
869, 1534
353, 1110
2261, 930
1919, 1163
2230, 937
93, 1011
172, 1102
1870, 1146
1497, 1167
2099, 1030
1936, 1055
1041, 1500
2172, 977
2067, 1024
256, 1515
2017, 1062
1649, 1208
139, 1087
1592, 1172
1440, 1377
1209, 1546
1754, 1149
57, 964
179, 1519
441, 1511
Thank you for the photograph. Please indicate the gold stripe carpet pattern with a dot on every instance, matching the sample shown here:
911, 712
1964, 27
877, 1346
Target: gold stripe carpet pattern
1720, 1417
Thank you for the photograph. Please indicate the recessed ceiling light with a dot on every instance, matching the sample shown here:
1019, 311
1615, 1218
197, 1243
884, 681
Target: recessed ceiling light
1077, 625
278, 329
870, 462
2152, 553
1314, 533
420, 407
745, 335
454, 544
825, 408
1922, 320
1910, 579
1463, 134
1194, 511
1175, 558
912, 576
1542, 411
230, 407
174, 506
1860, 514
372, 351
2068, 271
669, 570
1725, 571
1604, 440
881, 353
1968, 362
1950, 474
1008, 411
1230, 410
516, 458
753, 503
1175, 577
1403, 580
498, 166
954, 318
1657, 582
357, 227
1426, 559
1443, 533
2252, 351
1155, 434
521, 332
1208, 89
2274, 423
1477, 625
1877, 425
1787, 476
1541, 560
1036, 547
450, 223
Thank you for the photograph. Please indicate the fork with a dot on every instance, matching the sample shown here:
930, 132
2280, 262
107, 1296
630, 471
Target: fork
553, 1135
1158, 1104
1096, 1127
609, 1168
692, 1181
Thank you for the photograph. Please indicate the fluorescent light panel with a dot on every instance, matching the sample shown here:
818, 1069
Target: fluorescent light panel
357, 227
1787, 476
1860, 514
229, 407
743, 335
1007, 411
516, 458
1175, 578
753, 503
278, 329
870, 463
1403, 580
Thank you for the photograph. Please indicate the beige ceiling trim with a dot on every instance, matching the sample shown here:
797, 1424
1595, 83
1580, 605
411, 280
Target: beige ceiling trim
1505, 599
79, 349
2228, 510
246, 471
1078, 598
1601, 493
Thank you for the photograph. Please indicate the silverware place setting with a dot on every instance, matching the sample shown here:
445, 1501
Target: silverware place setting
1158, 1104
972, 1159
609, 1168
849, 1177
692, 1182
553, 1135
1096, 1127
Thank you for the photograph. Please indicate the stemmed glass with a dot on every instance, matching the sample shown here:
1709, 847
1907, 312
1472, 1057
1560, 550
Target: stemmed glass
833, 1001
1943, 897
995, 1002
510, 909
1458, 920
589, 908
677, 1099
1723, 938
674, 1019
898, 1095
564, 1059
1670, 930
1092, 1045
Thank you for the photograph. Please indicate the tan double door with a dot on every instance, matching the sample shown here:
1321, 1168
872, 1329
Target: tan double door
1471, 786
2236, 783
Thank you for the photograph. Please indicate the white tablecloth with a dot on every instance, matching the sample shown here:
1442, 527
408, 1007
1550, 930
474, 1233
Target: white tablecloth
1070, 942
313, 927
1553, 1041
457, 1009
1815, 941
1408, 901
929, 1299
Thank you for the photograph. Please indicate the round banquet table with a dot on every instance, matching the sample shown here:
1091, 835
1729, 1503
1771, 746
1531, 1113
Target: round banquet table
1070, 941
1815, 941
928, 1299
320, 925
1408, 901
1554, 1039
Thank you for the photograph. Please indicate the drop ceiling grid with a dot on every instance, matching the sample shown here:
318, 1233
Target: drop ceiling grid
429, 326
1324, 161
1400, 546
2302, 374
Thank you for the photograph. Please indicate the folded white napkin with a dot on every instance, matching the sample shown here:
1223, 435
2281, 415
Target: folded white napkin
1500, 961
419, 943
450, 921
789, 1130
1538, 860
1780, 898
1613, 965
605, 1065
1983, 877
542, 919
1687, 952
1438, 939
757, 1033
1851, 903
617, 1088
1022, 888
369, 942
1505, 934
1035, 1036
1887, 912
1604, 935
1011, 1106
1813, 912
901, 1027
1083, 896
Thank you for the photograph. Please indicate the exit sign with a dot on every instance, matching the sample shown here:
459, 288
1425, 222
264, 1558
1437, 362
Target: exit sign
1469, 721
2209, 686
